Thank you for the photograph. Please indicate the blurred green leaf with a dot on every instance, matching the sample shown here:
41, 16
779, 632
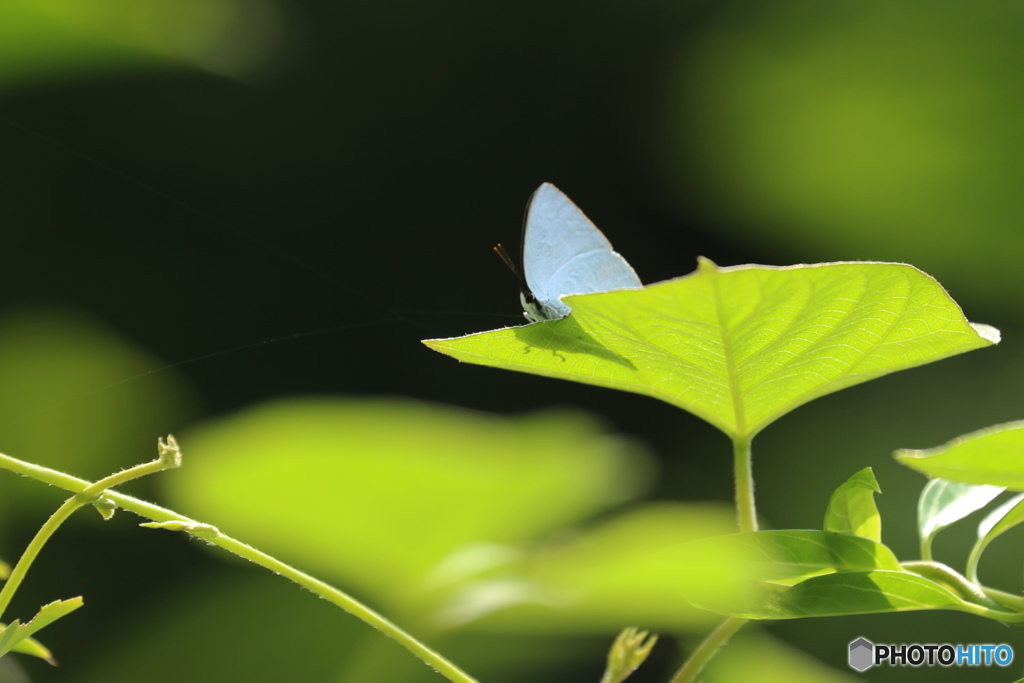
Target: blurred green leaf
46, 39
15, 633
220, 619
944, 502
757, 657
790, 555
635, 567
825, 133
379, 493
858, 592
852, 509
740, 347
77, 397
987, 456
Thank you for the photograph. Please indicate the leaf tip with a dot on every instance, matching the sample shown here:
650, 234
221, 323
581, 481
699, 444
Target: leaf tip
439, 345
704, 264
105, 506
987, 332
867, 475
905, 455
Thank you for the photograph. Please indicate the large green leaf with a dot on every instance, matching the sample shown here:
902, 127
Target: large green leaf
790, 555
847, 593
741, 346
988, 456
852, 509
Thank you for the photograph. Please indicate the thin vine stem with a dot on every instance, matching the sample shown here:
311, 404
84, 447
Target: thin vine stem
173, 520
87, 495
696, 662
746, 511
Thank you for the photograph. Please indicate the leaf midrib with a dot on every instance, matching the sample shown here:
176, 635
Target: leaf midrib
739, 415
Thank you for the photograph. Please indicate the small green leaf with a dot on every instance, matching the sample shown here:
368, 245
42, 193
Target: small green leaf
32, 647
15, 633
1003, 518
105, 506
944, 502
791, 555
740, 347
847, 593
987, 456
852, 509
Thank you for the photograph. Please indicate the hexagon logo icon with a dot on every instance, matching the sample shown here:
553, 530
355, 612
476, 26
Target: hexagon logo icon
862, 654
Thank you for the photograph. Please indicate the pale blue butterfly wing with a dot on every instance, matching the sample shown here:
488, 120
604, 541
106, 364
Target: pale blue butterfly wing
564, 253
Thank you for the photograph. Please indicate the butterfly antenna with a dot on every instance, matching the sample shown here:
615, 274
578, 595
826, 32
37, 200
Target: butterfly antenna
507, 260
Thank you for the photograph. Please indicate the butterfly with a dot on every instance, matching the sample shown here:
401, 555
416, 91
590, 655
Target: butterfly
563, 253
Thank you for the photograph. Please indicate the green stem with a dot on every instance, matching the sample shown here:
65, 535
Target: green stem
1010, 600
83, 496
926, 547
974, 558
746, 511
707, 649
941, 573
329, 593
743, 472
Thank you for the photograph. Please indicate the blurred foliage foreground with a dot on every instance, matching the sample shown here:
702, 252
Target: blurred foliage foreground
495, 538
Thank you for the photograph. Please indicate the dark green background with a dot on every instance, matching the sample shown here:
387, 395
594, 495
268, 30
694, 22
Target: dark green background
298, 226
